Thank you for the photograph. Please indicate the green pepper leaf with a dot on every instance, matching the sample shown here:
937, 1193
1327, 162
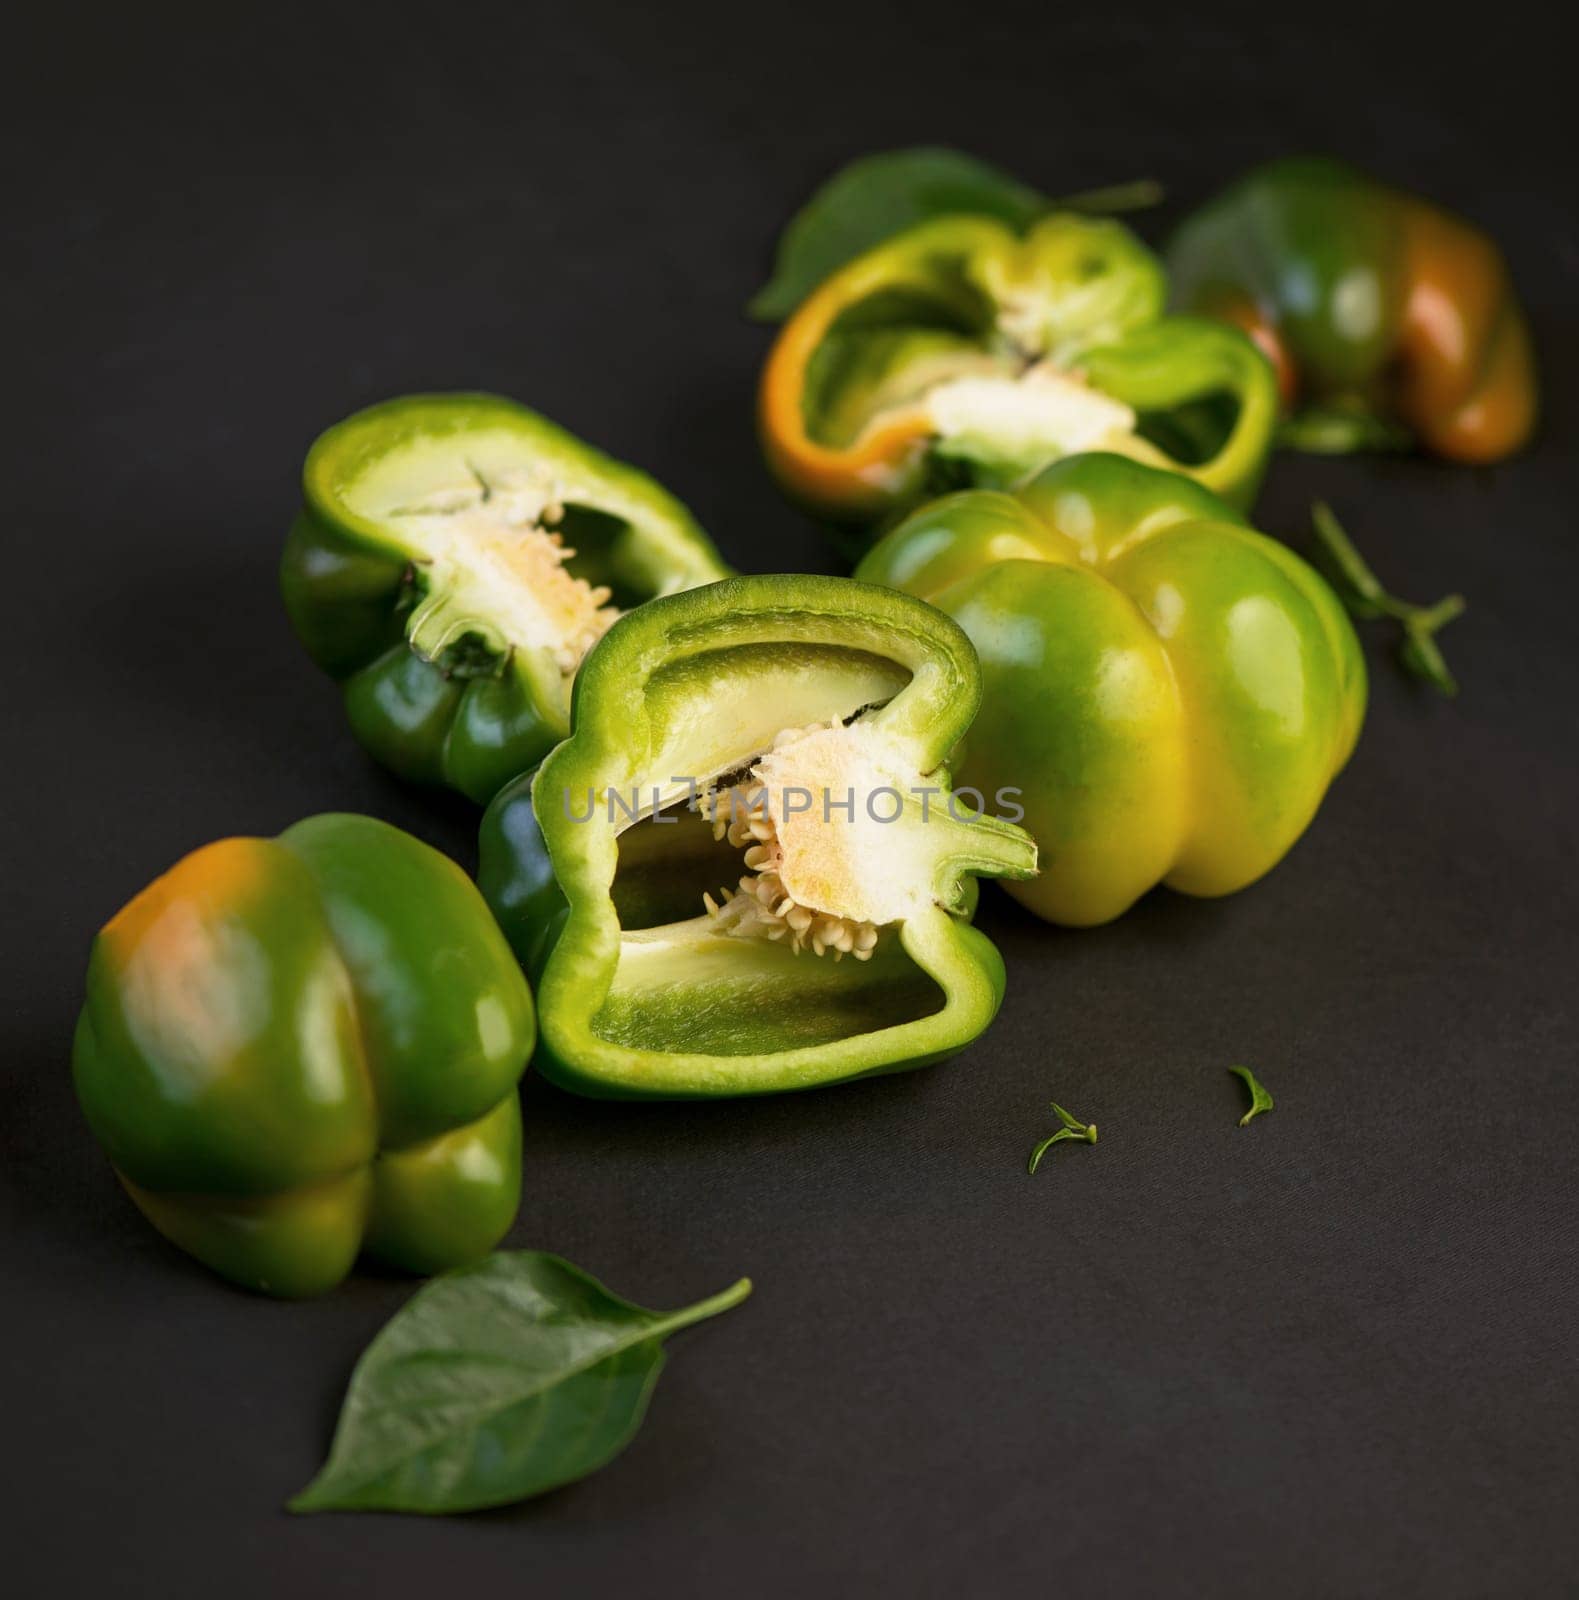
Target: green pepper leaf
495, 1382
1260, 1100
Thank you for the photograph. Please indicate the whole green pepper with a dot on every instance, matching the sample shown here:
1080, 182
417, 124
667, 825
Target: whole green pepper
294, 1049
961, 351
1172, 690
753, 791
455, 557
1385, 316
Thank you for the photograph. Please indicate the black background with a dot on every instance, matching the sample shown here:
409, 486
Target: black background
1329, 1354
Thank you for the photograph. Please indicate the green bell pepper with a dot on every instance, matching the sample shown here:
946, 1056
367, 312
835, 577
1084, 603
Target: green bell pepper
1173, 690
961, 351
1386, 317
455, 557
796, 728
295, 1049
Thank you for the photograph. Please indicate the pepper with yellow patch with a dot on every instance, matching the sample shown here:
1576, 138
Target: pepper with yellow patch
1172, 690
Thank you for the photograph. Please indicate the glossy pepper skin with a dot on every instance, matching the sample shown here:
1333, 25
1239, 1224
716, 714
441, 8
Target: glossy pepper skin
427, 574
1376, 307
639, 994
295, 1049
961, 352
1172, 690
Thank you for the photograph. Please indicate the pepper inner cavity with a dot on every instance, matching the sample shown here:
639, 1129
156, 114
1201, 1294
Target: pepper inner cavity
1023, 395
492, 562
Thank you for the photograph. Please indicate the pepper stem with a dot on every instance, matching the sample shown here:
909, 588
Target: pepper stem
1139, 194
1340, 429
1361, 591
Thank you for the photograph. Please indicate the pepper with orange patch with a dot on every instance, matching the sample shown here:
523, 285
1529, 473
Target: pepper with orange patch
961, 352
295, 1049
1388, 317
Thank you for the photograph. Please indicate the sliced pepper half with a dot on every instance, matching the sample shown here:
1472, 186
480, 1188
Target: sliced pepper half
1385, 316
961, 352
1172, 690
745, 871
293, 1049
455, 558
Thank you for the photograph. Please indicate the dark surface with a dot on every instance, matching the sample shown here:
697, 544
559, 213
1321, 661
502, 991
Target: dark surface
1332, 1353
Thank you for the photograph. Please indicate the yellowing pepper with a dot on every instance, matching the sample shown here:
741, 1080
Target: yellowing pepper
1171, 690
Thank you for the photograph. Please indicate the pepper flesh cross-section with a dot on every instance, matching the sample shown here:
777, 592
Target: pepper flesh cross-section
746, 871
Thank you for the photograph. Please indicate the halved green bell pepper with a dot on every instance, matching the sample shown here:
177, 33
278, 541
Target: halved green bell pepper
295, 1049
455, 557
701, 723
1387, 318
1173, 690
962, 352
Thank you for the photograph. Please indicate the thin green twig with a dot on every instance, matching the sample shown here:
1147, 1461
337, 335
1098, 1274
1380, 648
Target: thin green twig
1362, 592
1073, 1128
